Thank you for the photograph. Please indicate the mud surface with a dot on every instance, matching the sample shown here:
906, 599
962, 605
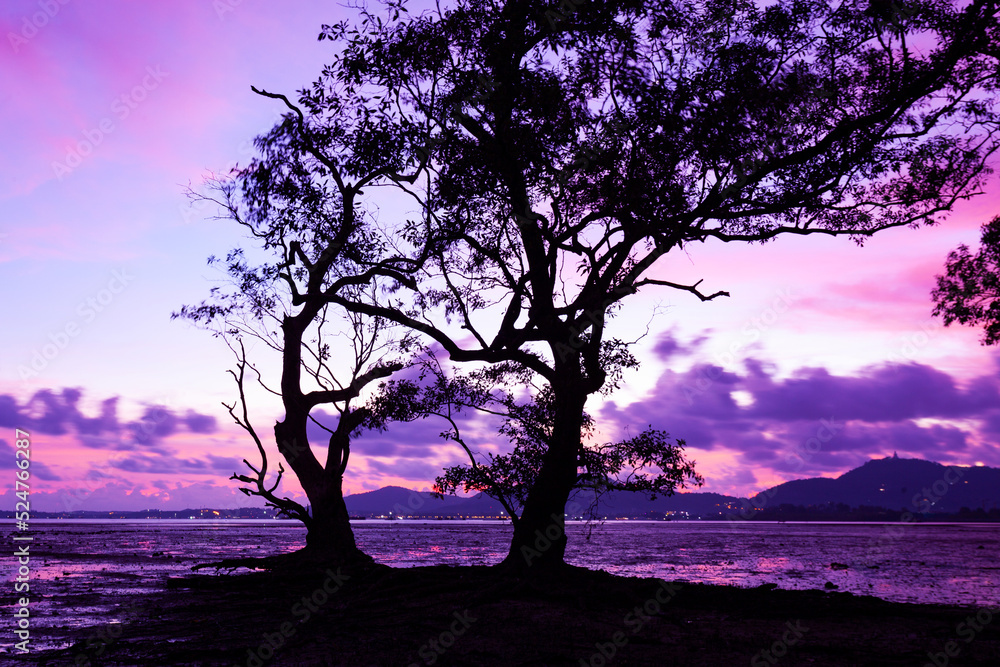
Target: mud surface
477, 616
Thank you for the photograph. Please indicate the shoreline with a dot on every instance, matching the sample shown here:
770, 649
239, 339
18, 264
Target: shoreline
489, 521
475, 615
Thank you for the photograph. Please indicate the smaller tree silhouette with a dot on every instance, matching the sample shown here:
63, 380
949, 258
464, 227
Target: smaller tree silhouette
648, 462
969, 292
308, 251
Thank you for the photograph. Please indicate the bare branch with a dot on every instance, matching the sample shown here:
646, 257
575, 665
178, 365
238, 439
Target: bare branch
687, 288
258, 487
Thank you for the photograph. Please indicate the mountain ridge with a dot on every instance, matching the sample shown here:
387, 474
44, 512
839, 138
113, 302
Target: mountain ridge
889, 488
917, 486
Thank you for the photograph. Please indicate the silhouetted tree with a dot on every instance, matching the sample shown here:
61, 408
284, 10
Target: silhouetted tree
554, 155
969, 292
648, 462
316, 244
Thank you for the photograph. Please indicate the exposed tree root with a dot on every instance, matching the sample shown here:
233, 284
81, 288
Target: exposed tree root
301, 561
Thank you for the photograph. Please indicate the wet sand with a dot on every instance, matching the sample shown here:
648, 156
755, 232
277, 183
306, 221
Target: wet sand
475, 616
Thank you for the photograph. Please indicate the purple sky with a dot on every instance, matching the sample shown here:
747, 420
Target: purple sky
824, 356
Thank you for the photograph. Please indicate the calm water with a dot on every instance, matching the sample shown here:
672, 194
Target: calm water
937, 563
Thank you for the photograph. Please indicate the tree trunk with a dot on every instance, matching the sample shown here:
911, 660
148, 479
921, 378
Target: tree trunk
539, 541
329, 536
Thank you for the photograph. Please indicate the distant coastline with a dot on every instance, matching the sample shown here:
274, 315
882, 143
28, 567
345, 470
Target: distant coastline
888, 489
782, 513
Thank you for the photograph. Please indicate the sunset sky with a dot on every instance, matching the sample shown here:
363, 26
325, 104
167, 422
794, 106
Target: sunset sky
110, 109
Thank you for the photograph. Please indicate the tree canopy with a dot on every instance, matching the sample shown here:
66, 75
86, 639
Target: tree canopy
550, 157
969, 291
555, 157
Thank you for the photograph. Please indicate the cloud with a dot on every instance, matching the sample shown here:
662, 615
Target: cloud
409, 469
813, 421
883, 393
316, 433
35, 468
171, 464
197, 423
668, 346
58, 413
127, 496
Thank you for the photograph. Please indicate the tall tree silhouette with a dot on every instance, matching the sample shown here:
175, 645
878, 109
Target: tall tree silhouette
969, 291
555, 155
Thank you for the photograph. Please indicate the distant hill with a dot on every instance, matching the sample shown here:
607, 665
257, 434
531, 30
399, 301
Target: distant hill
397, 501
631, 504
913, 485
892, 483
